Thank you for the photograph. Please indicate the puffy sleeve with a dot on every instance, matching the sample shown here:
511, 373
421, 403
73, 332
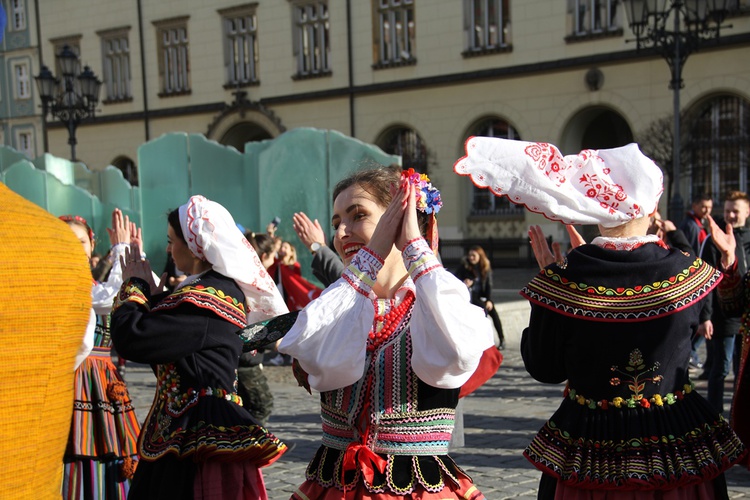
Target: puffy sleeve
330, 335
87, 345
448, 333
103, 294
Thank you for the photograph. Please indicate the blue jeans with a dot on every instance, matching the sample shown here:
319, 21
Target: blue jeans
723, 351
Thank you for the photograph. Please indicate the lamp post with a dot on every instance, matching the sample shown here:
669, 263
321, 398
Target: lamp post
693, 22
71, 99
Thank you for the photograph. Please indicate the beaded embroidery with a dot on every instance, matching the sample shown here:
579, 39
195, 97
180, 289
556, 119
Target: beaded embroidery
385, 325
207, 297
168, 384
632, 402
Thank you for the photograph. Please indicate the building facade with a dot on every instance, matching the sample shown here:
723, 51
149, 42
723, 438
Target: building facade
415, 77
20, 121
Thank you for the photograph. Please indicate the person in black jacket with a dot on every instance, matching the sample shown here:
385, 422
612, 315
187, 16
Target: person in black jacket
476, 273
198, 436
726, 328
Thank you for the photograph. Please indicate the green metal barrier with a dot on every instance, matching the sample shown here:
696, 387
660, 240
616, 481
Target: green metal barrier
291, 173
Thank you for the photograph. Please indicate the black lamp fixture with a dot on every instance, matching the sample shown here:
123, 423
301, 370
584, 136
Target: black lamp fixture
692, 23
71, 99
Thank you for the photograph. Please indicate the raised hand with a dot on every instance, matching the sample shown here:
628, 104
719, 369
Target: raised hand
542, 253
576, 240
410, 224
133, 266
308, 231
120, 230
136, 236
389, 226
545, 256
724, 241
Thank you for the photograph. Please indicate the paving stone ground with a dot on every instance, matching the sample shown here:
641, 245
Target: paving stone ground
499, 419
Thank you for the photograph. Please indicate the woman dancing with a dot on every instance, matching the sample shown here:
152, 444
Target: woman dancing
388, 346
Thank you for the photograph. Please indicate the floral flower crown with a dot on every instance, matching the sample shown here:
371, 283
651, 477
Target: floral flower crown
428, 196
77, 218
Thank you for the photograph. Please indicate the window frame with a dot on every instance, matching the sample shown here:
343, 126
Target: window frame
17, 135
502, 22
498, 206
390, 9
717, 162
18, 15
74, 43
246, 41
175, 55
23, 82
316, 28
117, 83
406, 142
582, 15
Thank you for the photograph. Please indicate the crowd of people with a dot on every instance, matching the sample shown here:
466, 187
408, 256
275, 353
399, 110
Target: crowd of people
391, 340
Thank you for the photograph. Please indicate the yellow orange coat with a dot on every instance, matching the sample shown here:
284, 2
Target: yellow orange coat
45, 301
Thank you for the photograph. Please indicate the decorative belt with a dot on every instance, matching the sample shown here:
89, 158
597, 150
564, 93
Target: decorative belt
179, 402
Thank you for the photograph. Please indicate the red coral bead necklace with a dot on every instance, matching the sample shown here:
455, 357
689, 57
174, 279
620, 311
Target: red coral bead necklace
389, 322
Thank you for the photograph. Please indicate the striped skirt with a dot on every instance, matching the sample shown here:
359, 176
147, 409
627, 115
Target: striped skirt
102, 446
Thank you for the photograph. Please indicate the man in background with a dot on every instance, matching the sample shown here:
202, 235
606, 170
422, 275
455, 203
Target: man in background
726, 328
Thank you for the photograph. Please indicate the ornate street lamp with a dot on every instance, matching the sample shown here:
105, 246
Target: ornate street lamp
71, 99
693, 22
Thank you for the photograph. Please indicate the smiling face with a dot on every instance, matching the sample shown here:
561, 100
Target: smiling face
355, 215
736, 212
183, 258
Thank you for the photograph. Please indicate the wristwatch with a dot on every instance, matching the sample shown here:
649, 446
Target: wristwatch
315, 247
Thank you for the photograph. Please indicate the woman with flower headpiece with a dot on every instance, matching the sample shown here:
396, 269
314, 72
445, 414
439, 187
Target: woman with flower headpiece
198, 441
101, 454
613, 319
388, 347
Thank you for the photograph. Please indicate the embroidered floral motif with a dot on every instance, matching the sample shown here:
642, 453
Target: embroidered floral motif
550, 161
637, 375
609, 196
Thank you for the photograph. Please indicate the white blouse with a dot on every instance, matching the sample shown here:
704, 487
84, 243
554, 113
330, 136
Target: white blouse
103, 294
448, 333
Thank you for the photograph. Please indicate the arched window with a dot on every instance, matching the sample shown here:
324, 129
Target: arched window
483, 201
406, 143
128, 169
719, 147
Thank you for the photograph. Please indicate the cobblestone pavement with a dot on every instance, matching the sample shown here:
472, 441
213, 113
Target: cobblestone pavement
499, 420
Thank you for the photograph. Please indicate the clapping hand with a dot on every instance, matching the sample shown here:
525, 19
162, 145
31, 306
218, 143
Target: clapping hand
724, 241
399, 224
308, 231
121, 227
133, 266
545, 256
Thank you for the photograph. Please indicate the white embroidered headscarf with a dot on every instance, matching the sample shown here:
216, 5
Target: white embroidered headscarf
212, 235
605, 186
